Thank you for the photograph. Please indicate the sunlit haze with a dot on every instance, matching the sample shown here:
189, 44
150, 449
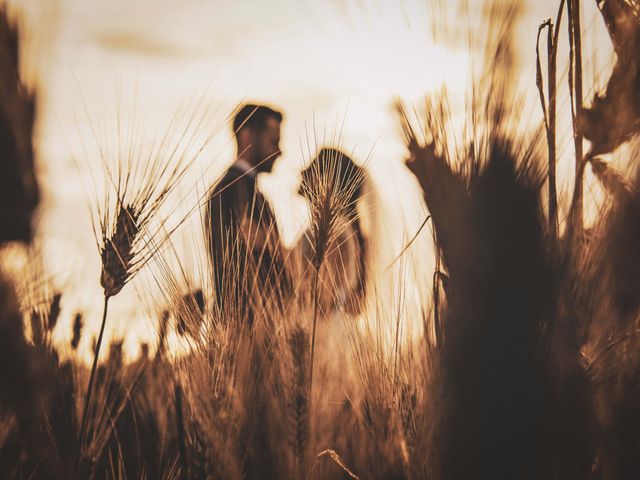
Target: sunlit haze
333, 68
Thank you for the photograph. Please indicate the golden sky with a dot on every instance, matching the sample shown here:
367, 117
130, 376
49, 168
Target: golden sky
329, 66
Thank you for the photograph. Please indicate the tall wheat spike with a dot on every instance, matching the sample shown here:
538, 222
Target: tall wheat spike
138, 184
332, 189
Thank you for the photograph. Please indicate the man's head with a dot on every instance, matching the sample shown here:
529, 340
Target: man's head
257, 130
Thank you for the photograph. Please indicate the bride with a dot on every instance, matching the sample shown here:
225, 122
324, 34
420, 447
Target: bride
334, 242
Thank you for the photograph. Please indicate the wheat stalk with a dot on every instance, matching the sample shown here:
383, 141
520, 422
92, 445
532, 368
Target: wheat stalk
332, 189
77, 331
299, 401
131, 227
550, 113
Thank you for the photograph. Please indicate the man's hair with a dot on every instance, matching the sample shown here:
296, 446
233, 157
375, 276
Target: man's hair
254, 116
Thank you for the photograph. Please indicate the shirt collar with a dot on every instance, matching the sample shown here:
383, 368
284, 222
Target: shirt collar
245, 167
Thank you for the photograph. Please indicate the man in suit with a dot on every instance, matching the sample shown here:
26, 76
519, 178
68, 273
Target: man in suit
243, 239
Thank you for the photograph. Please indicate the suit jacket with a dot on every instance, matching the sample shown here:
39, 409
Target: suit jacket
244, 245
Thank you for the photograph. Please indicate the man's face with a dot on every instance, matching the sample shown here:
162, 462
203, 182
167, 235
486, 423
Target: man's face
267, 143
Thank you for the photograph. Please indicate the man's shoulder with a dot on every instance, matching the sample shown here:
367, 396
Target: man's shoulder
234, 188
233, 179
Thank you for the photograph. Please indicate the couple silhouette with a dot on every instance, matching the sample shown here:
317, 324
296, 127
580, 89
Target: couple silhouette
253, 271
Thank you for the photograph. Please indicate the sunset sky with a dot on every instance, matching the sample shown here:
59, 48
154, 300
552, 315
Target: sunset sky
329, 66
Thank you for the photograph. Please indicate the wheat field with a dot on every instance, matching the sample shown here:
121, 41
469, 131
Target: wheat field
517, 356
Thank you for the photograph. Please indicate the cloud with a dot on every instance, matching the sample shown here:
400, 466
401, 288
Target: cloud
137, 43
